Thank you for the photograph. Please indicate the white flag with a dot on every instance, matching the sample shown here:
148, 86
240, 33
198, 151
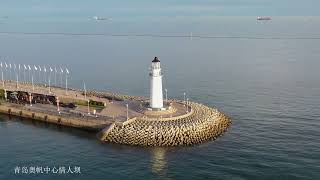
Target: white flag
25, 67
10, 65
55, 69
35, 67
44, 69
19, 66
1, 64
61, 70
6, 64
29, 67
51, 69
39, 68
67, 71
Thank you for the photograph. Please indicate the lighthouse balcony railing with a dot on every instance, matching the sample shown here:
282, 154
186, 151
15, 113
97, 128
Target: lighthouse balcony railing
155, 74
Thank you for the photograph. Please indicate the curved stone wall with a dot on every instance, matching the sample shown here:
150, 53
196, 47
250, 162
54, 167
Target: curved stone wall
202, 125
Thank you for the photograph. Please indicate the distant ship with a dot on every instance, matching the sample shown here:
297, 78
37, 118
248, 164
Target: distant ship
101, 18
265, 18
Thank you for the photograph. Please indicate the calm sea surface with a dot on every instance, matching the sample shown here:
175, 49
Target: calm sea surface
264, 75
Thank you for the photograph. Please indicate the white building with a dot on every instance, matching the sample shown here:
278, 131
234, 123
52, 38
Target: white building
156, 96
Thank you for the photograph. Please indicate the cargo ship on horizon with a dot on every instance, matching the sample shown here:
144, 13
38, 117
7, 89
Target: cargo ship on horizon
263, 18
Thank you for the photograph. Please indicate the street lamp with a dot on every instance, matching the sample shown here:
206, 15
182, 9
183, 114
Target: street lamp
67, 72
187, 104
184, 98
166, 90
127, 111
30, 99
85, 90
88, 106
58, 108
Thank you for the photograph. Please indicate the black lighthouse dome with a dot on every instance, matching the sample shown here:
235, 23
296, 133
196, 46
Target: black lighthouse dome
156, 59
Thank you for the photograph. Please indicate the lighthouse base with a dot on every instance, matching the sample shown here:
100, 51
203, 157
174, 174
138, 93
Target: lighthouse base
167, 106
156, 109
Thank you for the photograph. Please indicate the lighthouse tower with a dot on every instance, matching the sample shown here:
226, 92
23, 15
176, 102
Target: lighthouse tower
156, 96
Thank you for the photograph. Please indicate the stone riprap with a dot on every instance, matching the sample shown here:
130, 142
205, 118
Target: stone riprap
201, 125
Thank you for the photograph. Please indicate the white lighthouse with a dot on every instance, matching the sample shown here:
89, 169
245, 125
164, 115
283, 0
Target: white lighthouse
156, 96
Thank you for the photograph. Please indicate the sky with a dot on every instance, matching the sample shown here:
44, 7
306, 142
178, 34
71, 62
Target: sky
163, 8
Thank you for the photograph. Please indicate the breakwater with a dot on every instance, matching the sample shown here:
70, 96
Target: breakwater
183, 124
201, 125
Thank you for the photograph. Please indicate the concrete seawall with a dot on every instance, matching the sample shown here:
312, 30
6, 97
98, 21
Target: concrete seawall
202, 125
54, 119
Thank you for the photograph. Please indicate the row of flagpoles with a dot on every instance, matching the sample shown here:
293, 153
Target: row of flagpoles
34, 73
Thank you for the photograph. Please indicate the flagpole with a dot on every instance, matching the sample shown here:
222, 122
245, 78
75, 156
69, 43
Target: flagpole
44, 77
40, 75
50, 78
24, 73
19, 70
2, 73
61, 85
12, 78
67, 72
13, 75
45, 74
2, 77
55, 76
32, 84
10, 71
6, 73
61, 74
14, 71
34, 74
66, 84
49, 83
17, 81
29, 74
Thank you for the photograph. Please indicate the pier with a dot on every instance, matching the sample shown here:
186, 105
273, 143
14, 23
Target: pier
117, 118
165, 128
